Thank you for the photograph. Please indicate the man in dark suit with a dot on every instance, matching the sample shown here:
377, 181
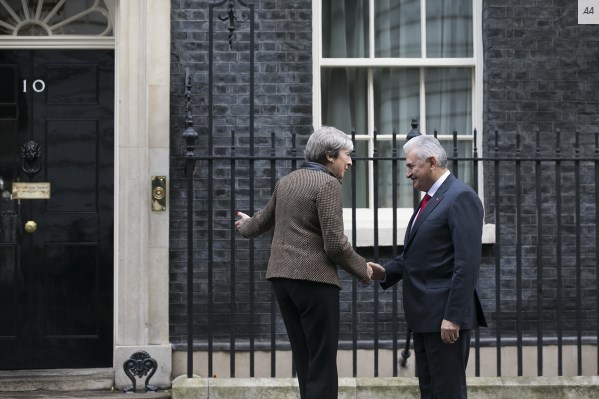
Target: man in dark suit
439, 267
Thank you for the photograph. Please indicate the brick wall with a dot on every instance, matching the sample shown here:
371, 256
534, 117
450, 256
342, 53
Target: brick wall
540, 67
282, 104
539, 73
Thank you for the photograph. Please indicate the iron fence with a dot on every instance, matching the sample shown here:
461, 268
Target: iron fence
539, 275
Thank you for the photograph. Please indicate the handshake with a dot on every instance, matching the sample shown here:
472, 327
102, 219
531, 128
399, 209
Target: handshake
375, 272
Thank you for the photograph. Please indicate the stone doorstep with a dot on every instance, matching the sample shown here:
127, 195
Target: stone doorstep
104, 394
57, 380
385, 387
68, 384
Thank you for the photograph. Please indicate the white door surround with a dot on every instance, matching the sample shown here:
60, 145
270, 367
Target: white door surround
142, 88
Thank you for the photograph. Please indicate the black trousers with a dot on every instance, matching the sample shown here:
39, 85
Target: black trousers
441, 367
311, 315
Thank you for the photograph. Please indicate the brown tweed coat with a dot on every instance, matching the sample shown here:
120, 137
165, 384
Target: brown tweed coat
306, 211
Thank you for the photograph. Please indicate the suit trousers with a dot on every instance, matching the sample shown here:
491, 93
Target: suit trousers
441, 367
310, 312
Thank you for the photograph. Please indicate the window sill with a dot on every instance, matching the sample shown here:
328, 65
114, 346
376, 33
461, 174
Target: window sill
365, 227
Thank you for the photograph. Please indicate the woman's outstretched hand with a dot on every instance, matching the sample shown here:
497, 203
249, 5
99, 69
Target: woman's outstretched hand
239, 222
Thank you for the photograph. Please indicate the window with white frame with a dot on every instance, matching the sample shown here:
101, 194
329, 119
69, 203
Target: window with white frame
380, 63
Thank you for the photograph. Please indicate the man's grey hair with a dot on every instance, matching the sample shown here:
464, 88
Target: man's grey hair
326, 140
426, 146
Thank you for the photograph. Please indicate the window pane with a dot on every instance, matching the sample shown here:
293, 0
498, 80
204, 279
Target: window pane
397, 28
90, 24
396, 99
32, 30
360, 168
464, 168
344, 99
449, 100
15, 6
386, 179
449, 28
345, 28
48, 17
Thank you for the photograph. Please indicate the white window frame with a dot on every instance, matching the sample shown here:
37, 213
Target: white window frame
103, 40
365, 216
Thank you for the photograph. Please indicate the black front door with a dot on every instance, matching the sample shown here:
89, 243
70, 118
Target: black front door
56, 238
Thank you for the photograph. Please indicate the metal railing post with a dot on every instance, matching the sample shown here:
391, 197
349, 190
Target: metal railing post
405, 354
190, 136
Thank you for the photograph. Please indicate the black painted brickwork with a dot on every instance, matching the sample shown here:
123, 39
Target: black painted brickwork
540, 68
540, 72
283, 105
541, 75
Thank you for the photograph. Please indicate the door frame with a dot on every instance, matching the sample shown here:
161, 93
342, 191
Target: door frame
142, 126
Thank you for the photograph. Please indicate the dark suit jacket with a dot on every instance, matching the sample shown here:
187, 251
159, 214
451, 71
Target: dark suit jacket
441, 260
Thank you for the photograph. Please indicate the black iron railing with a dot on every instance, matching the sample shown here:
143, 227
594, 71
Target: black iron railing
539, 276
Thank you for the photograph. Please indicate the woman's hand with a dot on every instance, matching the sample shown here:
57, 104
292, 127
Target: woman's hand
239, 222
366, 280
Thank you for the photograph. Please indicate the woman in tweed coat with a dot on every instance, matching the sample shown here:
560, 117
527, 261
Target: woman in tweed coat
306, 211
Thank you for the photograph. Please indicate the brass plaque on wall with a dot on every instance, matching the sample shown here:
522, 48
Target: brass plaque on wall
37, 190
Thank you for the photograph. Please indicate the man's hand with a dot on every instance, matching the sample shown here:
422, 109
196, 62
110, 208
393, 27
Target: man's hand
450, 331
378, 271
